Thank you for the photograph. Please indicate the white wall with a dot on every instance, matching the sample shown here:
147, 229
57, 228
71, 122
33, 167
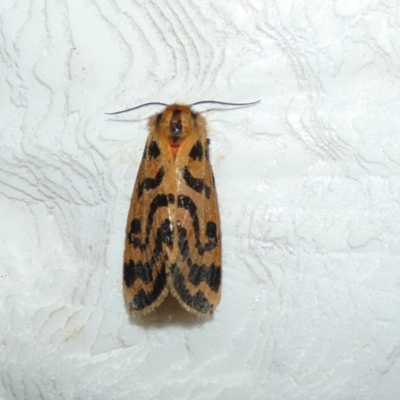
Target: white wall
308, 185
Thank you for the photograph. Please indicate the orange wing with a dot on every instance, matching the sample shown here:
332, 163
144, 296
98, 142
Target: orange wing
148, 231
196, 272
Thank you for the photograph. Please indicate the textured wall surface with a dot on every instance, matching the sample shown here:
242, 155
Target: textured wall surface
308, 184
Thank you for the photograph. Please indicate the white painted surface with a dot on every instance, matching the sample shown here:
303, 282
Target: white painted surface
308, 185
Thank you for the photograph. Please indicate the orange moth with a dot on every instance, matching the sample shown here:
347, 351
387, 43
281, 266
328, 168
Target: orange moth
173, 233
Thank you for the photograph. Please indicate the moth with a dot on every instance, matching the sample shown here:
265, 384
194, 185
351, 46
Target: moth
173, 232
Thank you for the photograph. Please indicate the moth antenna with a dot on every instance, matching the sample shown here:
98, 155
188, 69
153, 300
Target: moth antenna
224, 104
135, 108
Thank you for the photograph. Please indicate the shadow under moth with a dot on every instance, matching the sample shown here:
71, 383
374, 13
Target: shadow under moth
173, 233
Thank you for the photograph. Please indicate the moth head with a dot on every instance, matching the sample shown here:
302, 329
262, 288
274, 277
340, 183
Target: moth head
179, 121
176, 122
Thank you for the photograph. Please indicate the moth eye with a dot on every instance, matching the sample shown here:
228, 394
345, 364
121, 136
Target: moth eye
158, 119
175, 128
175, 125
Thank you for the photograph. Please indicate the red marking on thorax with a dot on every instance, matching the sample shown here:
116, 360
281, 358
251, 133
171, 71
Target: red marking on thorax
174, 148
